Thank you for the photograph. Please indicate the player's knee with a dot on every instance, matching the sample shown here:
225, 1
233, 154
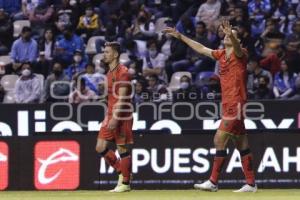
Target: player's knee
100, 147
122, 149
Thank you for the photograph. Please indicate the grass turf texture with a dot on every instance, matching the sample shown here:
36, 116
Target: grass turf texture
152, 195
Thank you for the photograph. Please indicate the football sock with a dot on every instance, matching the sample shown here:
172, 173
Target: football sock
247, 163
125, 165
219, 161
111, 158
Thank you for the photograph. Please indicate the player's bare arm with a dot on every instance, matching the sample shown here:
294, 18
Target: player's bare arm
227, 29
113, 123
198, 47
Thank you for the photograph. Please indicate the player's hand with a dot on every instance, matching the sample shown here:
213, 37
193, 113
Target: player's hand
226, 28
112, 124
172, 32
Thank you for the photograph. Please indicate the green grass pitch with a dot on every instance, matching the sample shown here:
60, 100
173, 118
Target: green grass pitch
152, 195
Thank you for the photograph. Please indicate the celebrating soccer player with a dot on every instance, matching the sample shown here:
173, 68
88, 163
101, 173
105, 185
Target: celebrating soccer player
117, 125
233, 61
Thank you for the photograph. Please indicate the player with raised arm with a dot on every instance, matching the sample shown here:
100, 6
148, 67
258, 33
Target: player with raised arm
117, 125
233, 76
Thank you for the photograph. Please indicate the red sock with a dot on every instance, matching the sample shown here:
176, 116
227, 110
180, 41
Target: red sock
247, 163
219, 160
125, 166
111, 158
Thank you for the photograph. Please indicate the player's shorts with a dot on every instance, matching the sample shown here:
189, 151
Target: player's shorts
232, 119
121, 135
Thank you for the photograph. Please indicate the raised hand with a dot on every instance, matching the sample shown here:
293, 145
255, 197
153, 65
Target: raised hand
172, 32
226, 27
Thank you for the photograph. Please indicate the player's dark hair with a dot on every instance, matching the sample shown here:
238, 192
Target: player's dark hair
115, 46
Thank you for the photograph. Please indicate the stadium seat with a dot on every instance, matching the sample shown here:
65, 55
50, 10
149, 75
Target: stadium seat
8, 82
175, 80
97, 58
91, 45
4, 60
18, 26
41, 77
9, 97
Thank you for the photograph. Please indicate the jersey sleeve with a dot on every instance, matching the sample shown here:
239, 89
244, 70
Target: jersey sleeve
217, 54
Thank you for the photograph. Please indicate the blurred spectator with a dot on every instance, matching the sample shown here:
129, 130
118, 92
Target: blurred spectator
187, 91
92, 79
292, 19
209, 11
66, 47
141, 92
11, 6
2, 93
255, 72
272, 61
89, 22
67, 13
28, 87
81, 93
109, 7
154, 62
6, 32
284, 82
246, 39
42, 66
143, 28
28, 7
47, 44
295, 35
40, 16
159, 91
263, 90
186, 25
272, 30
259, 7
177, 60
59, 90
24, 49
78, 66
297, 89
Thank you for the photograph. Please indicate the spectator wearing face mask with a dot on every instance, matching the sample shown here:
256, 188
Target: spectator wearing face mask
28, 87
263, 91
92, 79
154, 62
187, 91
24, 49
78, 66
59, 83
66, 47
81, 93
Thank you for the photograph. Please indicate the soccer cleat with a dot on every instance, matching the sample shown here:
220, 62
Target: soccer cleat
247, 188
121, 188
120, 181
207, 186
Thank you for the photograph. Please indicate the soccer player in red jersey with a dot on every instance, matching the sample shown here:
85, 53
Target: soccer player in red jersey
233, 62
117, 125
